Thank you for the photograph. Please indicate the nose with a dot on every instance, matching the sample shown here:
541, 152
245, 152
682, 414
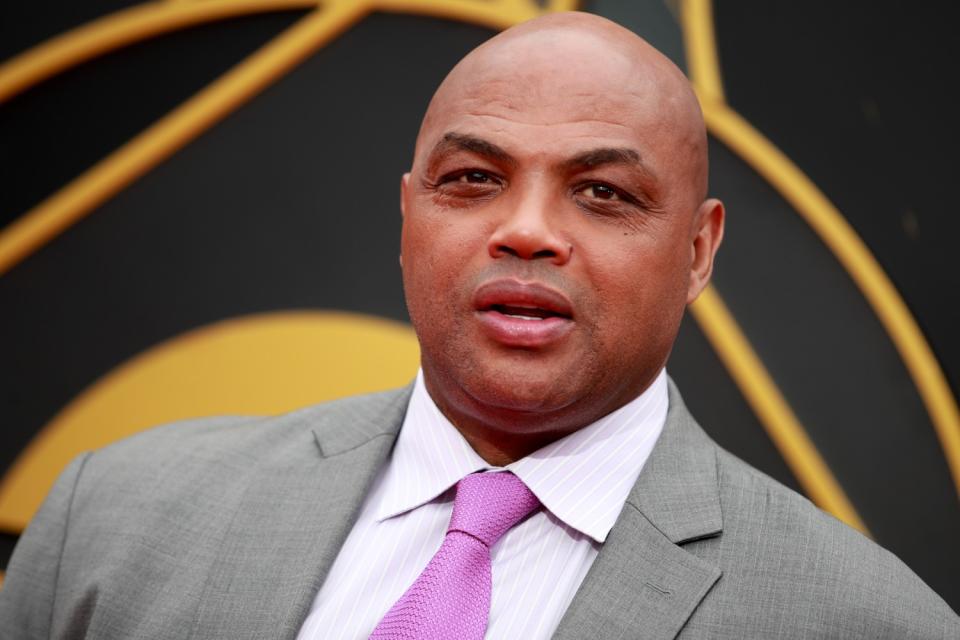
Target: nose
526, 232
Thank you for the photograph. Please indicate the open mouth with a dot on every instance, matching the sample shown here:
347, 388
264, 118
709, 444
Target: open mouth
523, 312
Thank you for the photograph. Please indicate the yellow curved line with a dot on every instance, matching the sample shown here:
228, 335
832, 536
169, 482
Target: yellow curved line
724, 334
857, 260
173, 131
833, 229
120, 29
258, 364
696, 17
495, 15
771, 407
144, 21
562, 5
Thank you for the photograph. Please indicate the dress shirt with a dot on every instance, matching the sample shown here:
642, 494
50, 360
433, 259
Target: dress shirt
582, 480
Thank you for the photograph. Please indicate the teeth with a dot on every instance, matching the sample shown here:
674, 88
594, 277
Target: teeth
510, 315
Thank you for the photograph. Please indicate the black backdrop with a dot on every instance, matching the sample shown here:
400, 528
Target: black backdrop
291, 203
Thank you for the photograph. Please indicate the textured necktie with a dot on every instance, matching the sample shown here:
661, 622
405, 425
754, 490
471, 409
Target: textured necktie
450, 599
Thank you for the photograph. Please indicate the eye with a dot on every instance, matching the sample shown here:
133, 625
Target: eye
466, 187
474, 177
600, 192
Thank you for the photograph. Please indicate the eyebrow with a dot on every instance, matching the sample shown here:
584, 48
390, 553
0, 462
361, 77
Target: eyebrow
597, 157
459, 142
612, 155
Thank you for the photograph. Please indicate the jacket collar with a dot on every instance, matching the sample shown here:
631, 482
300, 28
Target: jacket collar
356, 421
643, 579
678, 490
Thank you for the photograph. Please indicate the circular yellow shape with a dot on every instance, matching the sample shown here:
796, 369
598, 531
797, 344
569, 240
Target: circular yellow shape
260, 364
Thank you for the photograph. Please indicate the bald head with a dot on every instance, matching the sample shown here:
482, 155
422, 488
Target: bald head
554, 229
582, 61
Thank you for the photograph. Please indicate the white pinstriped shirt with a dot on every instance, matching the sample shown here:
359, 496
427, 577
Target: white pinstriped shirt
582, 480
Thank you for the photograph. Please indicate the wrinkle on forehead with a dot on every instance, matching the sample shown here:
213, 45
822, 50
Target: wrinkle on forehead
484, 111
575, 65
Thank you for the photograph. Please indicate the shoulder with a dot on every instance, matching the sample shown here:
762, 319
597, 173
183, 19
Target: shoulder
780, 552
237, 435
205, 454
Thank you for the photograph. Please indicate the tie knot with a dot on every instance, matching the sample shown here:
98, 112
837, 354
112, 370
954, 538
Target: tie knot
489, 504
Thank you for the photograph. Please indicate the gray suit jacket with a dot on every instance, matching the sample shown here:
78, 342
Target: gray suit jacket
226, 527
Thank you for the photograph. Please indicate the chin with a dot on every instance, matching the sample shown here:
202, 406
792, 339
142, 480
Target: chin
523, 394
512, 387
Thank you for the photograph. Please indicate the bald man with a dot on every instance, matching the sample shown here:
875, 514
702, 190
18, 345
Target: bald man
541, 477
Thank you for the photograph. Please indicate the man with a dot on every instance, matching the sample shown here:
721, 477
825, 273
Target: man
555, 226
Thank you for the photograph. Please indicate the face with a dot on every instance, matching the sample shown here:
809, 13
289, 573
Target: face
552, 236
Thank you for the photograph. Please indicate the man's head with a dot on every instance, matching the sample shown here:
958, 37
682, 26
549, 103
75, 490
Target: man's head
554, 229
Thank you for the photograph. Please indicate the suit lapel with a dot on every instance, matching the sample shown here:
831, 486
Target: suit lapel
643, 584
295, 512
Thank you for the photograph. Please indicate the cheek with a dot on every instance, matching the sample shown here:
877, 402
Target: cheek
445, 240
642, 287
435, 254
638, 263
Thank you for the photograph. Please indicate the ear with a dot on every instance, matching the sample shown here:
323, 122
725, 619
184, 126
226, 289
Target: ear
708, 226
404, 192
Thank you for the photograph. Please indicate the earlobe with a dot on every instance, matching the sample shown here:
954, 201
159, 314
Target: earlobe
709, 234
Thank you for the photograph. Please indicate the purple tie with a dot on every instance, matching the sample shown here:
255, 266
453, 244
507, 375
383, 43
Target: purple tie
450, 599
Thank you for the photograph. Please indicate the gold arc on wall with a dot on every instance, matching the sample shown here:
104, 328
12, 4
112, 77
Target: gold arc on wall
770, 406
245, 80
120, 29
260, 364
159, 141
144, 21
829, 224
702, 63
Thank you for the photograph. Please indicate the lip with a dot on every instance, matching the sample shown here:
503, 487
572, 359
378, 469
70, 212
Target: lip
494, 300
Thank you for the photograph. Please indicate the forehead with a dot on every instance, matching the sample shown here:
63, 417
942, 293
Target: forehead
550, 95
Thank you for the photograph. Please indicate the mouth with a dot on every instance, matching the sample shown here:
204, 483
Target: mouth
525, 315
522, 312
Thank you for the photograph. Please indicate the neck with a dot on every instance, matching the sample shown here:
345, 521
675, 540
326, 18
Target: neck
501, 451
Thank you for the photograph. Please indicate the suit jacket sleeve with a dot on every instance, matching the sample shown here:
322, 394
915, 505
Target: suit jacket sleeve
30, 588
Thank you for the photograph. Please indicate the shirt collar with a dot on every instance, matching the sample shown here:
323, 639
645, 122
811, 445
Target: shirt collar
583, 478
